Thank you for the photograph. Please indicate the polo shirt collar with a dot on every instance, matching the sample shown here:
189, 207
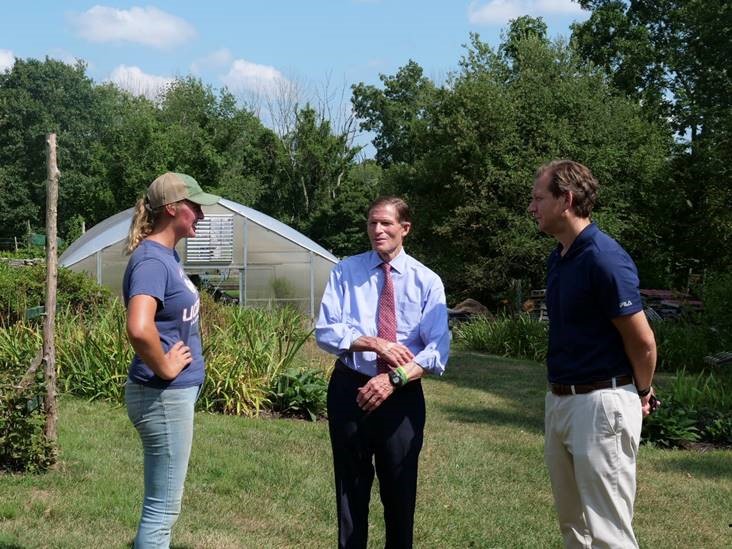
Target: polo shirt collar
581, 241
398, 264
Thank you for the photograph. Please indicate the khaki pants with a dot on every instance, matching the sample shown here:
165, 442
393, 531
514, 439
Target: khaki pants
590, 448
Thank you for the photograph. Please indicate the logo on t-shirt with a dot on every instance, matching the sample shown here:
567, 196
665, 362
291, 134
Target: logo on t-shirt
190, 314
627, 303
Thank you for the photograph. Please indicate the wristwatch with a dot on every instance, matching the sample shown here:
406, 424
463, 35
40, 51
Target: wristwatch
644, 392
395, 379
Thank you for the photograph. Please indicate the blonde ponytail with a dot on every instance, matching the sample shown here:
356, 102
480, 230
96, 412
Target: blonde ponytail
141, 225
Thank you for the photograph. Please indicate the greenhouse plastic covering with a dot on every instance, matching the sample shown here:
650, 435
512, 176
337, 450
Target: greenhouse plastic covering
238, 254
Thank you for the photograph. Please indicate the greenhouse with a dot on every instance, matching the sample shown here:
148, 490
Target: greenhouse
238, 254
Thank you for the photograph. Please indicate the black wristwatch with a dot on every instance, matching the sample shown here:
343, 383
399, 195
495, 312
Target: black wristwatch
395, 379
644, 392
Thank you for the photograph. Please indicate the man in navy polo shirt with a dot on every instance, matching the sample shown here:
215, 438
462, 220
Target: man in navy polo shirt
601, 359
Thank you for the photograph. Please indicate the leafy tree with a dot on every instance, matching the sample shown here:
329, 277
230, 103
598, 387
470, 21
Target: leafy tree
340, 224
38, 97
134, 143
395, 114
504, 113
672, 55
313, 164
211, 138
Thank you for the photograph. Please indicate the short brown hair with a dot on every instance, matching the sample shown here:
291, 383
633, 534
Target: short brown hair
569, 176
401, 207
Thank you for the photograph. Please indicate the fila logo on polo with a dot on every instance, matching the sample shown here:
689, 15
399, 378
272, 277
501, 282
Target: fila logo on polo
625, 304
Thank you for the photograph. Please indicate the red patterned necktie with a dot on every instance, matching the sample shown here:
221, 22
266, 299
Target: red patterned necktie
386, 324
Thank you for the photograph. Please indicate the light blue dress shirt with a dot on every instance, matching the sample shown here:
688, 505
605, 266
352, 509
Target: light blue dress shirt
349, 310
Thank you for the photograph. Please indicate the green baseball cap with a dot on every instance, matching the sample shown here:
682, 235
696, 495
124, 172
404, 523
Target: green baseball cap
172, 187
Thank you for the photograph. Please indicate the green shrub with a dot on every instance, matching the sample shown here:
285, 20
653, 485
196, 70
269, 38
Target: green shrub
23, 446
694, 408
25, 287
682, 344
26, 251
517, 336
717, 296
300, 393
245, 351
719, 430
671, 426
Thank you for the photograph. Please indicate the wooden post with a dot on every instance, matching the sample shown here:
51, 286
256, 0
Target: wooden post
49, 323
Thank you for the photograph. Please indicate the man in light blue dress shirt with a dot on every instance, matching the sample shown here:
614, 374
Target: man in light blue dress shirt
376, 412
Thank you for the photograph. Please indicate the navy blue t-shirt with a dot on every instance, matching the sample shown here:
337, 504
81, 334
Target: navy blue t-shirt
593, 283
155, 270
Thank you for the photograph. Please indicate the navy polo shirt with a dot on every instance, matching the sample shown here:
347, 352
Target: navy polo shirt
593, 283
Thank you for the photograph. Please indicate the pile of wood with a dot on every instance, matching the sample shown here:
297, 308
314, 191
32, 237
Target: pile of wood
669, 304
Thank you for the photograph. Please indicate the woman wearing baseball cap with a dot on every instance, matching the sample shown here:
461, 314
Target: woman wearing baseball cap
167, 370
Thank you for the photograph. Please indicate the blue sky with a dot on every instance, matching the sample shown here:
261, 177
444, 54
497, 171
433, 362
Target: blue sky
256, 47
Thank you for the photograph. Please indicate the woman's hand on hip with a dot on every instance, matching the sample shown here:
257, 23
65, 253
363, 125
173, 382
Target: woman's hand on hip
178, 357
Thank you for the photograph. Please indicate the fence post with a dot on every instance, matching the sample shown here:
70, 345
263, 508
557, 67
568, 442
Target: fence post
49, 348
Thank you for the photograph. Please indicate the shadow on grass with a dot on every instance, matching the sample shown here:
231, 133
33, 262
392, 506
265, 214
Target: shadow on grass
521, 384
712, 465
529, 419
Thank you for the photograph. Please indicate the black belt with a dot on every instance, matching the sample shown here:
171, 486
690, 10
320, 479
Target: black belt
584, 388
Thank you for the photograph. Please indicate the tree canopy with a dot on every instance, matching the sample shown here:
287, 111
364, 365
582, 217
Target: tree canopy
483, 135
641, 93
673, 57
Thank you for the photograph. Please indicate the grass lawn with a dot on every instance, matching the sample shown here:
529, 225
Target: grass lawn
268, 483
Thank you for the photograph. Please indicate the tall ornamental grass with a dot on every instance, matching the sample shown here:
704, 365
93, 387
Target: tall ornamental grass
246, 350
93, 354
516, 336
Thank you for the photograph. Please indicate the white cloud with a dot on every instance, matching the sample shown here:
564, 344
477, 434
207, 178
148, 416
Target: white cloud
63, 56
245, 76
148, 26
7, 60
213, 61
499, 12
558, 6
133, 80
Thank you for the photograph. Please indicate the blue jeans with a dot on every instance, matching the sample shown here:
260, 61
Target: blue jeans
164, 420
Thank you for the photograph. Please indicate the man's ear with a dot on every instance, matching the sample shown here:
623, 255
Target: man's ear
407, 227
568, 200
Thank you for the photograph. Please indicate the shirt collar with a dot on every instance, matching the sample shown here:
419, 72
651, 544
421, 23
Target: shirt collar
398, 264
581, 241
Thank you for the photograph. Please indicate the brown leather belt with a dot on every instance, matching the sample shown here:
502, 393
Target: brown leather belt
584, 388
